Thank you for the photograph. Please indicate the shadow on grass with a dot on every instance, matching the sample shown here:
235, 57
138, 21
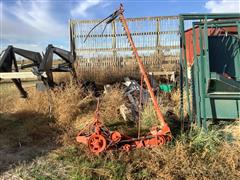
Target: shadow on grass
24, 136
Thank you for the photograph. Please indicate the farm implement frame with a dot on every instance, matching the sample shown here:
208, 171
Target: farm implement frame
42, 65
99, 138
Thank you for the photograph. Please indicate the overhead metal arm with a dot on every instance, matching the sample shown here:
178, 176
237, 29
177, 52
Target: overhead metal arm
31, 55
107, 20
47, 63
8, 58
64, 54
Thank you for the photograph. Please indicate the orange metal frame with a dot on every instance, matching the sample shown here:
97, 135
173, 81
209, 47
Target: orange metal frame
101, 139
143, 71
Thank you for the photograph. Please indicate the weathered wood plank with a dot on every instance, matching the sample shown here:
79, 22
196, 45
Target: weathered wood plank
168, 74
16, 75
73, 21
123, 34
80, 50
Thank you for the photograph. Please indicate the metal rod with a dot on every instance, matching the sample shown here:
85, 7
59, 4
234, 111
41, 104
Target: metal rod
202, 77
143, 72
185, 66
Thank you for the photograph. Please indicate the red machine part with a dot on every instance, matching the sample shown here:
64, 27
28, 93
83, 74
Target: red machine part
97, 143
101, 139
116, 136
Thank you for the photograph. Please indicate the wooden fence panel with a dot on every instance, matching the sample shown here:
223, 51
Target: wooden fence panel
156, 39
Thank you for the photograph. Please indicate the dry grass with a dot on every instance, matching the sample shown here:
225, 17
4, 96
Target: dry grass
233, 131
108, 109
109, 105
53, 117
108, 70
148, 116
178, 161
62, 77
175, 99
63, 103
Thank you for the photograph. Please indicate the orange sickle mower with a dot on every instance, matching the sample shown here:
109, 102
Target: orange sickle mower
99, 139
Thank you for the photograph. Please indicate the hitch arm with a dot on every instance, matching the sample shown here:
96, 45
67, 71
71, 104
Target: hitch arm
142, 69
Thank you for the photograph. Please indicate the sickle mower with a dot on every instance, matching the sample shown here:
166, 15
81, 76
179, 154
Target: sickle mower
98, 138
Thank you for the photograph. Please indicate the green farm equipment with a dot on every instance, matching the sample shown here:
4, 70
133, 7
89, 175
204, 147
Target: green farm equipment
166, 87
211, 49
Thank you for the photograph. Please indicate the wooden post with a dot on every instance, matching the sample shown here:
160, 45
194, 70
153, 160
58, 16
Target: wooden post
72, 39
158, 36
114, 40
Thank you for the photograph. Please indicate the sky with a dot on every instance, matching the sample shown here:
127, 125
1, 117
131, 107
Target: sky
33, 24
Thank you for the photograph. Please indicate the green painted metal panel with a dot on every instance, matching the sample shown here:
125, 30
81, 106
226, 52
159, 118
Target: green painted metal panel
209, 16
238, 109
195, 84
222, 108
196, 96
216, 70
166, 87
222, 84
202, 79
238, 62
206, 50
